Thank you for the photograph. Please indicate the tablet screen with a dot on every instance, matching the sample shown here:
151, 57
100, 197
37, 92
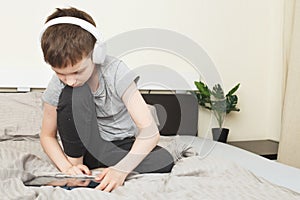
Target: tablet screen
64, 182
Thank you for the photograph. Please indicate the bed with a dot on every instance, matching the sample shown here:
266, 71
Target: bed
204, 169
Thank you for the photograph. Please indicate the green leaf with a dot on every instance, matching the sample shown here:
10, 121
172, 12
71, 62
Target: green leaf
218, 92
202, 88
203, 95
233, 90
231, 102
219, 106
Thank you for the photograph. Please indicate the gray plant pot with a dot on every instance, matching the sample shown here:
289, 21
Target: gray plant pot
220, 134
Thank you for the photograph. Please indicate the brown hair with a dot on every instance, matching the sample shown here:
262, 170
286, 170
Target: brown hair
67, 44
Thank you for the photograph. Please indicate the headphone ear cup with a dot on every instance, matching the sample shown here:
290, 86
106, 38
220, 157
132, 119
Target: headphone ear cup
99, 53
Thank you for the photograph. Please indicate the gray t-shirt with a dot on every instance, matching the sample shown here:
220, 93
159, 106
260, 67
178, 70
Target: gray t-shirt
114, 121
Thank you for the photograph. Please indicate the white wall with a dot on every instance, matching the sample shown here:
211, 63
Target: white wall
242, 37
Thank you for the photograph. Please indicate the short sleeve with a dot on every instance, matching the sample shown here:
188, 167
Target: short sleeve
53, 90
123, 78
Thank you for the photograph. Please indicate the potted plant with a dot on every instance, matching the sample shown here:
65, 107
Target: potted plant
220, 104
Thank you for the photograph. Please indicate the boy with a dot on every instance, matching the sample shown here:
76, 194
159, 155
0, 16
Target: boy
93, 103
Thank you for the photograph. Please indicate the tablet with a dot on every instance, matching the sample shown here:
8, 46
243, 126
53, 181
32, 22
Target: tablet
65, 181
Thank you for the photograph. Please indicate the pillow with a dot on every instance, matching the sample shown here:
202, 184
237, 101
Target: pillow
20, 114
178, 146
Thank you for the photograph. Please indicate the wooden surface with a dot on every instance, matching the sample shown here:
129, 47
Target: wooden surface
266, 148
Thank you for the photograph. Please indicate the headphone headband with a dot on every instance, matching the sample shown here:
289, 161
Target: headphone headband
75, 21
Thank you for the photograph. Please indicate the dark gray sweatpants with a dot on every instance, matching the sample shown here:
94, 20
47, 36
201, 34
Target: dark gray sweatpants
78, 130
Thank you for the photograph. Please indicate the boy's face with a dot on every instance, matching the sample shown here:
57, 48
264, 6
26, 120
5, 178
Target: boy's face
78, 74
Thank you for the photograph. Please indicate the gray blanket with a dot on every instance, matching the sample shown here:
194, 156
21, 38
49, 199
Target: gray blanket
193, 177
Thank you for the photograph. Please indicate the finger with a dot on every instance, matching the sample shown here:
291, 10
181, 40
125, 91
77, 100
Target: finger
85, 169
102, 185
110, 187
102, 174
77, 170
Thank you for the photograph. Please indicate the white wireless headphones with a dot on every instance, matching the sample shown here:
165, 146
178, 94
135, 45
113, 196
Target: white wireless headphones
99, 51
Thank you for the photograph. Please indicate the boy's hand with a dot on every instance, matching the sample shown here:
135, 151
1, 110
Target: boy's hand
110, 178
78, 169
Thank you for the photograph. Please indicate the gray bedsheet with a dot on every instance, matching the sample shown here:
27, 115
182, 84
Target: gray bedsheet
193, 177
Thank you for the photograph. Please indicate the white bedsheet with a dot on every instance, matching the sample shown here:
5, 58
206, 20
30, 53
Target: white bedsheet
218, 171
270, 170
